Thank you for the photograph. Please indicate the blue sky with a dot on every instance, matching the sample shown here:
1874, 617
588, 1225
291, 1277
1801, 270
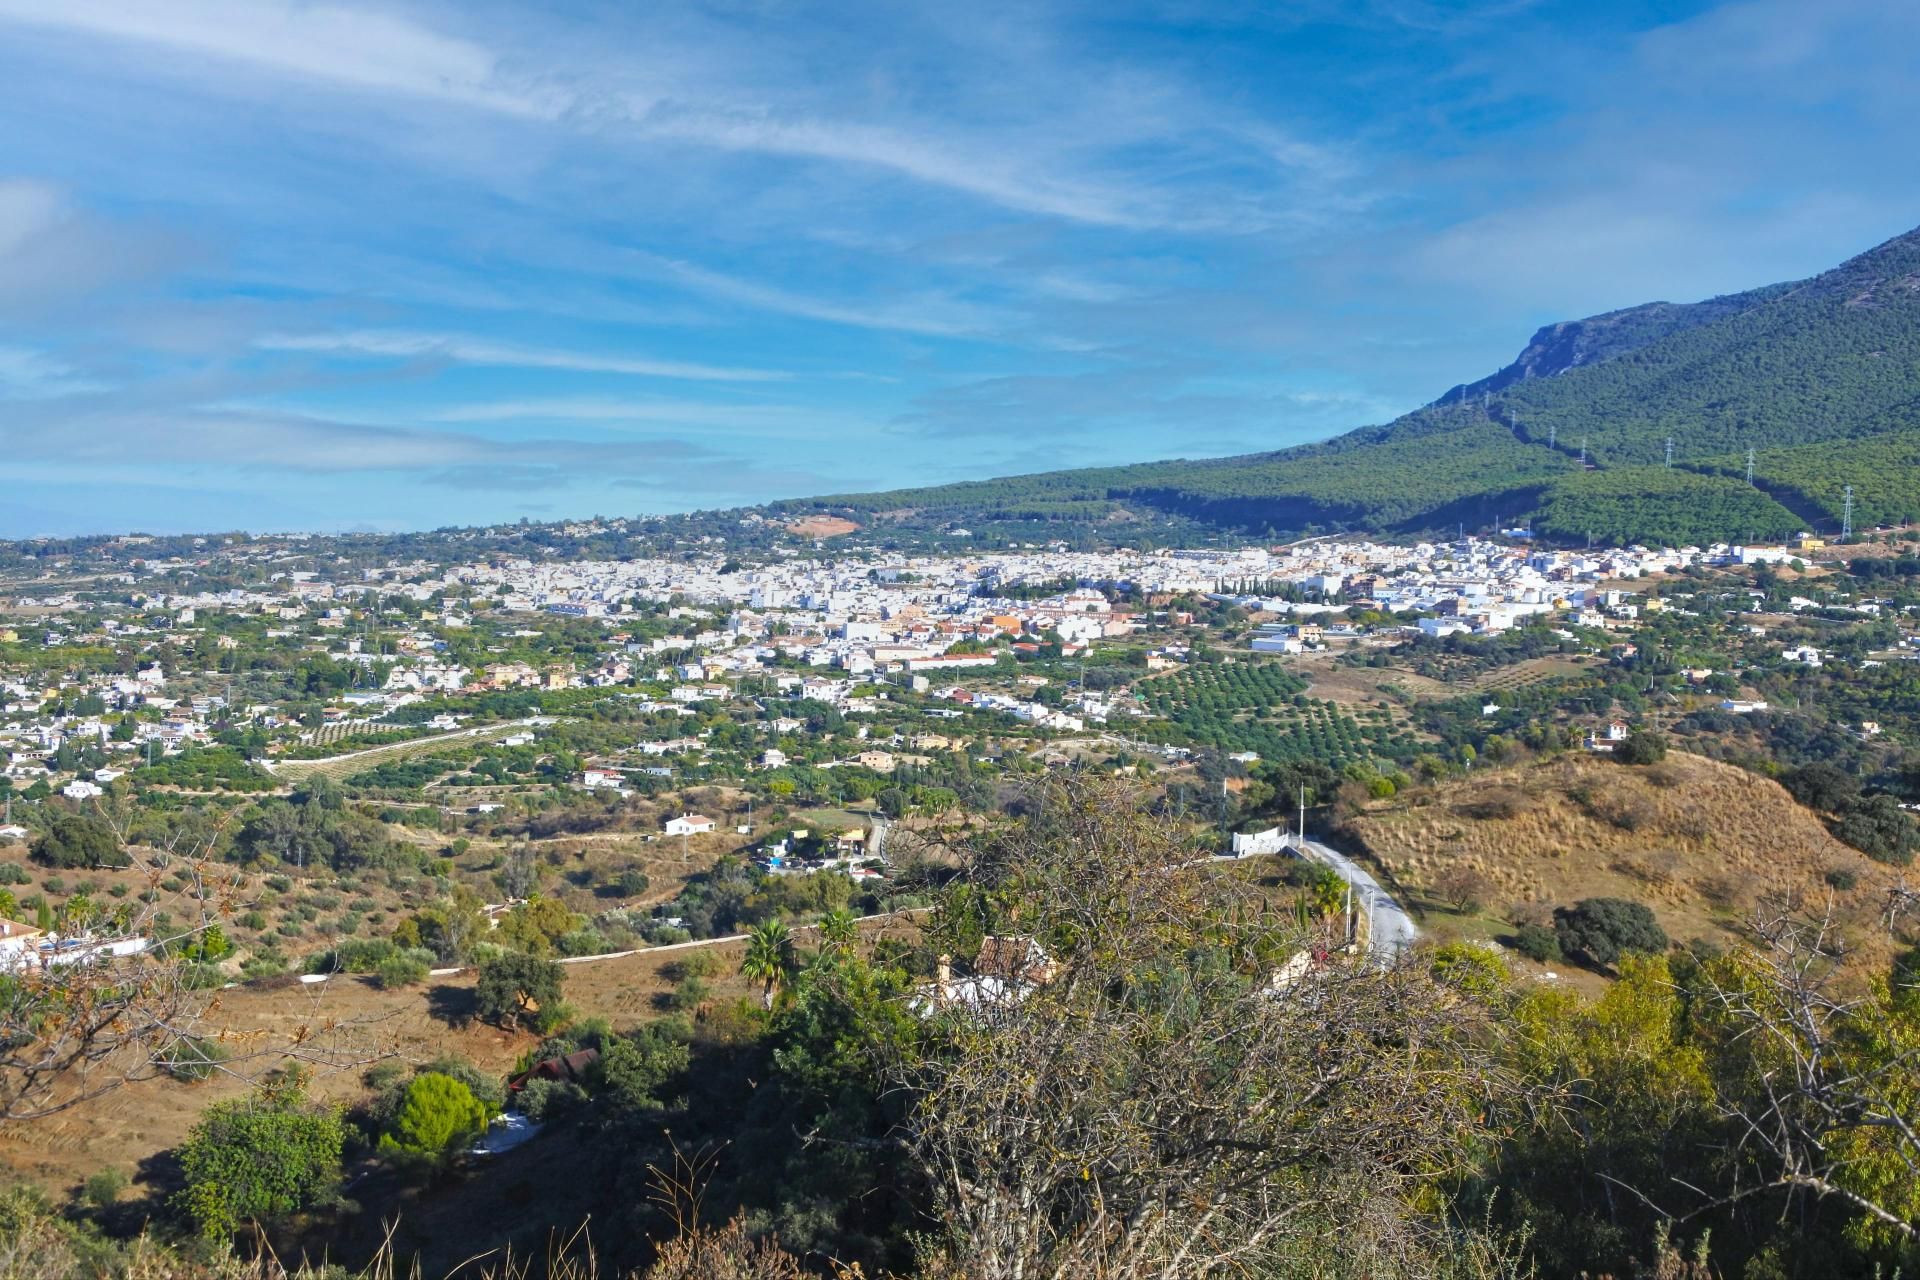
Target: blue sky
369, 264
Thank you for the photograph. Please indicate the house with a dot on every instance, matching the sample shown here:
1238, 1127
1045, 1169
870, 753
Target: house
569, 1068
602, 780
18, 943
1014, 958
1005, 969
1738, 707
688, 824
13, 831
1606, 738
81, 789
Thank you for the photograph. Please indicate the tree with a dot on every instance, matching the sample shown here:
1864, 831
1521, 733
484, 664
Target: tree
1601, 930
260, 1157
77, 840
769, 957
1161, 1106
1879, 828
1642, 747
437, 1113
514, 983
839, 930
1822, 786
1465, 887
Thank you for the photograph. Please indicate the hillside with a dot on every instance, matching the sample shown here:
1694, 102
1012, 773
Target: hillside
1700, 842
1821, 377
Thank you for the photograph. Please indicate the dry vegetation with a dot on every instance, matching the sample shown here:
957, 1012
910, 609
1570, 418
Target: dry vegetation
131, 1125
1700, 842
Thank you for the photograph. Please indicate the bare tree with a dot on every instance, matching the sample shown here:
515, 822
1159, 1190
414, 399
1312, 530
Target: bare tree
1824, 1091
1198, 1088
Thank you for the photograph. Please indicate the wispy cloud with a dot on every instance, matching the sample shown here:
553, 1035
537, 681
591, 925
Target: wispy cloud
357, 47
26, 374
935, 315
402, 345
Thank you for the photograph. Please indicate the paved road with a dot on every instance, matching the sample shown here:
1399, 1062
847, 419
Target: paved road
1390, 930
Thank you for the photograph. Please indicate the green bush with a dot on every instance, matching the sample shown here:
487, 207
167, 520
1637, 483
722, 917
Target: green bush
74, 840
102, 1189
194, 1059
1537, 942
259, 1158
407, 969
437, 1114
543, 1100
1601, 930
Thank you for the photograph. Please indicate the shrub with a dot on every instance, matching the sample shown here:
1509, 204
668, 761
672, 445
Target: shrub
74, 840
437, 1113
194, 1059
1537, 942
1640, 748
543, 1100
1842, 878
486, 1086
1601, 930
1821, 786
101, 1189
1879, 828
14, 873
405, 969
259, 1158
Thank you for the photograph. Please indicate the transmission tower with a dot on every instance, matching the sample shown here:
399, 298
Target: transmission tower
1669, 450
1749, 466
1583, 451
1846, 515
1553, 435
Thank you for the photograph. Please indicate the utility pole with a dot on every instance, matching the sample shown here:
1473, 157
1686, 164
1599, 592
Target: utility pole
1303, 815
1669, 451
1749, 466
1846, 515
1553, 435
1583, 451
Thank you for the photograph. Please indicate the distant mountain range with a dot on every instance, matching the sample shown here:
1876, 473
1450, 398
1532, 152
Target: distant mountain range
1819, 378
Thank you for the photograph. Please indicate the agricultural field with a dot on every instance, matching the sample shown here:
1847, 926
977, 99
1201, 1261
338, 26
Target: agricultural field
1263, 707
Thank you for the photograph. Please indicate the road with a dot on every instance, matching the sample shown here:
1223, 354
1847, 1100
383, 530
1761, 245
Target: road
1390, 930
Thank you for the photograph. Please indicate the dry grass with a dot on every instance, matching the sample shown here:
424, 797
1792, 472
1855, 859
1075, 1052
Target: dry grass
1698, 841
128, 1126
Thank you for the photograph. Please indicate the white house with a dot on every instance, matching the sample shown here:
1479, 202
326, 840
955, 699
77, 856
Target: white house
81, 789
602, 780
18, 943
688, 824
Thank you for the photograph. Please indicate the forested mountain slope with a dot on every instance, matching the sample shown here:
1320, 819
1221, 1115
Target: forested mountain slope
1820, 377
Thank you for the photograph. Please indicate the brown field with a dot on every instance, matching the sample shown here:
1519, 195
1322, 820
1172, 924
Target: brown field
354, 1023
822, 527
1702, 843
346, 1023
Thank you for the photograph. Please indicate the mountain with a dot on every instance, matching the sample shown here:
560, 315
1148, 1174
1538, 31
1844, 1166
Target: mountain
1819, 377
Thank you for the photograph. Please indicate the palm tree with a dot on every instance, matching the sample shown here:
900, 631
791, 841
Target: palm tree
839, 930
769, 956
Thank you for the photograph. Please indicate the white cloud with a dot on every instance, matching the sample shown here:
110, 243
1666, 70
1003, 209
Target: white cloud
357, 47
26, 374
753, 419
398, 344
1082, 157
935, 315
